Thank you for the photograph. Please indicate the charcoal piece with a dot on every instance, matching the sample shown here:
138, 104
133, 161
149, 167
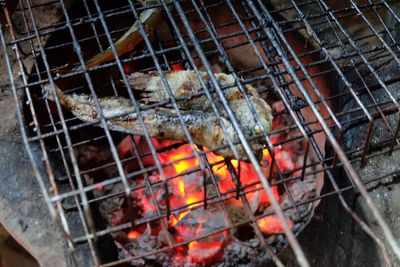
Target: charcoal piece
201, 222
242, 254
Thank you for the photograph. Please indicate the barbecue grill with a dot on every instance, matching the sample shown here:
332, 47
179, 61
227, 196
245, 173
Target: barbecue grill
328, 69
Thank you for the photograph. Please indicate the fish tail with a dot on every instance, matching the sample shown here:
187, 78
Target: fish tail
48, 93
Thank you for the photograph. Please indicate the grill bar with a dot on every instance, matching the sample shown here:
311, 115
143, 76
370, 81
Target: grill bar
353, 175
292, 240
349, 169
86, 210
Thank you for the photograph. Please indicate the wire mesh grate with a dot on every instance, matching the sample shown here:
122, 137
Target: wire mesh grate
328, 69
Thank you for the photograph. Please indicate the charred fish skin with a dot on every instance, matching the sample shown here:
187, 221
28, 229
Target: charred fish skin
203, 125
184, 84
204, 128
253, 124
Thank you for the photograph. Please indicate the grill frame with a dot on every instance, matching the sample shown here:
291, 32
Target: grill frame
272, 29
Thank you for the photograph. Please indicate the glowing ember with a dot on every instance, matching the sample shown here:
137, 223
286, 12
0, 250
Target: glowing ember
204, 252
99, 187
133, 234
189, 220
272, 225
200, 222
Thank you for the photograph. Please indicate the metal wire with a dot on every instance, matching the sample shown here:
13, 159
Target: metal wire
282, 72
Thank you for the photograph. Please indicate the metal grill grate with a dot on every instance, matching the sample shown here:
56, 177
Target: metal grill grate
333, 66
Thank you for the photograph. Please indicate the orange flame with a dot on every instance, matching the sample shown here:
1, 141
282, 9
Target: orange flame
133, 234
203, 252
181, 187
271, 225
187, 190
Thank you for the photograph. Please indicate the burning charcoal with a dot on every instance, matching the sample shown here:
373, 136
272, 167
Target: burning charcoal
242, 254
112, 209
194, 182
124, 253
236, 210
141, 244
300, 192
272, 225
205, 252
143, 198
200, 222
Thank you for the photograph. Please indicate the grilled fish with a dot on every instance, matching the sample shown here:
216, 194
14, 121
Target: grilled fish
184, 85
203, 125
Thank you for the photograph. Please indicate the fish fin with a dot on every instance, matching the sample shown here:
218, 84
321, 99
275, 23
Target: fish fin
139, 81
48, 93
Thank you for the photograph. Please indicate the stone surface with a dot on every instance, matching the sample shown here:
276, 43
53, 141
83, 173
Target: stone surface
23, 211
